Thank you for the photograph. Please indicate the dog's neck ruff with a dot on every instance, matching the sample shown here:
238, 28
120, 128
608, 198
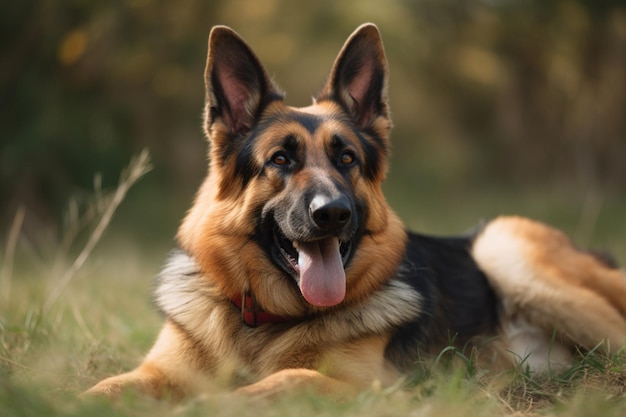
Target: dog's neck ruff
251, 313
185, 295
182, 288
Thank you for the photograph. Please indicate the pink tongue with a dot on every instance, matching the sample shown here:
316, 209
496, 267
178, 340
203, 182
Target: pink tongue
322, 277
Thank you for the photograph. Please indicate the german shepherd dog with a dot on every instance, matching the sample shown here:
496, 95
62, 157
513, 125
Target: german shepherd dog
292, 270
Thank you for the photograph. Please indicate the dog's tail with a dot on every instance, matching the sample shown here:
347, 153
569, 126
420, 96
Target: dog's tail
550, 289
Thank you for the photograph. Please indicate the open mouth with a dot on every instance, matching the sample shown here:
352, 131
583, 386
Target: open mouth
317, 266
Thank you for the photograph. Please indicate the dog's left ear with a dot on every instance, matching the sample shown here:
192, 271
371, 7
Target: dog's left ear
358, 78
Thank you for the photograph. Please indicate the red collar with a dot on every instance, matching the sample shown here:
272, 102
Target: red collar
251, 313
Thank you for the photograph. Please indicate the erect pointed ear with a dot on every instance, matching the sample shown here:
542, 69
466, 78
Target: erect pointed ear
358, 78
237, 85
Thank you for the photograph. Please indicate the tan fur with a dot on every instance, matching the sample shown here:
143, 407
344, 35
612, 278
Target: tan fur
543, 282
215, 230
355, 366
216, 350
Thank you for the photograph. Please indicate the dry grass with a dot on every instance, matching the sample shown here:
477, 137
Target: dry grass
66, 325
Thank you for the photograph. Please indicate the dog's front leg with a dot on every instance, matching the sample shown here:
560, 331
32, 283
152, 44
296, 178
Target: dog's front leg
146, 379
170, 369
299, 380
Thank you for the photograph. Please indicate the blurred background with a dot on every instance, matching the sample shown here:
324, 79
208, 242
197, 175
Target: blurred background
511, 106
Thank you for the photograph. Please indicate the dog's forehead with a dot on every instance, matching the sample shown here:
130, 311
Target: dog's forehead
324, 108
314, 116
315, 125
310, 121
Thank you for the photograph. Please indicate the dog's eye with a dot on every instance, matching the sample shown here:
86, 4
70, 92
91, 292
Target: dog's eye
347, 158
280, 159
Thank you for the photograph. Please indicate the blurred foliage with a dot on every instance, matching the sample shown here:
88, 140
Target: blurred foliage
483, 92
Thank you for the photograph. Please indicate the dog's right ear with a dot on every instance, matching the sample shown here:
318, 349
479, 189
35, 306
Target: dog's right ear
237, 85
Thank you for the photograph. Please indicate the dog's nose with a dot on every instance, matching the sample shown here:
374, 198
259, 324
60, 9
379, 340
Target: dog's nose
330, 214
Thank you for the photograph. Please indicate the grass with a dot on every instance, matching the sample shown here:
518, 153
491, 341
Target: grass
71, 315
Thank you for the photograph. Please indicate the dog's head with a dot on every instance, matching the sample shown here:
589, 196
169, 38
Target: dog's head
301, 185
